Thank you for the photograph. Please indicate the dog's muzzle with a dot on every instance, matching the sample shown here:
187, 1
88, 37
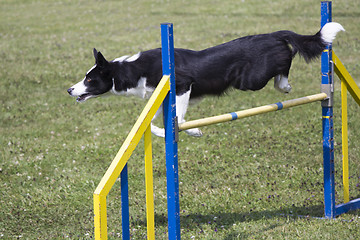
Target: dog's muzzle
82, 97
70, 91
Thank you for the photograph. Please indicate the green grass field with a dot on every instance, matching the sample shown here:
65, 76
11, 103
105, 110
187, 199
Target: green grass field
248, 179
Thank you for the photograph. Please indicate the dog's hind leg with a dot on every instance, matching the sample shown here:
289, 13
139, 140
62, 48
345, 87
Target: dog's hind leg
281, 83
182, 103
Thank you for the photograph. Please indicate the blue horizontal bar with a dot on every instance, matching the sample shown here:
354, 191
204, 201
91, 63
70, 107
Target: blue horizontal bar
345, 207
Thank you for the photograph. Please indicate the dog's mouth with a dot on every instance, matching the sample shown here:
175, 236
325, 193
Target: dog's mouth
84, 97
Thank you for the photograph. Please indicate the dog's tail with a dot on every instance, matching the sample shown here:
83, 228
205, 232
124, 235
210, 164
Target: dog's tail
311, 46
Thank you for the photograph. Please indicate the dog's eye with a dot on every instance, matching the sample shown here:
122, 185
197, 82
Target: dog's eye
88, 79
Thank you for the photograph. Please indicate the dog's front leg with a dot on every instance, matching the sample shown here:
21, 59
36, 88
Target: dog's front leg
182, 103
160, 132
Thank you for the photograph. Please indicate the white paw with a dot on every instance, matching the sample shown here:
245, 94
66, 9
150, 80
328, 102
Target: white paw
287, 89
195, 132
284, 89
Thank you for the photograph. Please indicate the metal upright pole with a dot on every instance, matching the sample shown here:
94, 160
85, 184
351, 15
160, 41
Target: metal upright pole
170, 133
327, 86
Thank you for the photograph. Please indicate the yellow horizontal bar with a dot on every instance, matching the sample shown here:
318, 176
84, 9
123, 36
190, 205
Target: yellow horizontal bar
345, 76
251, 112
133, 137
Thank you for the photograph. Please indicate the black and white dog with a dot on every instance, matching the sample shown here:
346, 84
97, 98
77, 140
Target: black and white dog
246, 63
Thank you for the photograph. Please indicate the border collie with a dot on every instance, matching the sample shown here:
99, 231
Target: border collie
246, 63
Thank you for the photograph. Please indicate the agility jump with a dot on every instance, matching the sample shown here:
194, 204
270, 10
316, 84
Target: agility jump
252, 111
165, 93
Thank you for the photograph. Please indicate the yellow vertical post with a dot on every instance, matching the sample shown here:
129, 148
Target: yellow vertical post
100, 218
344, 130
149, 185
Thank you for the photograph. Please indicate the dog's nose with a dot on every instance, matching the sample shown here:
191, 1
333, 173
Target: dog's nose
70, 90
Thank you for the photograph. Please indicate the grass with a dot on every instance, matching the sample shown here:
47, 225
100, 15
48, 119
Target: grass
249, 179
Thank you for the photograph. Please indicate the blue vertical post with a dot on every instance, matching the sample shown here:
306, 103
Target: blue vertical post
171, 147
327, 119
125, 203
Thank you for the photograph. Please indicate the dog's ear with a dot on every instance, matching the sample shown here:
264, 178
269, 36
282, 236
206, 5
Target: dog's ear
95, 53
100, 60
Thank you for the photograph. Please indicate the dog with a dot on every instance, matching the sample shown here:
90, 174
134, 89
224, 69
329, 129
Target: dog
246, 63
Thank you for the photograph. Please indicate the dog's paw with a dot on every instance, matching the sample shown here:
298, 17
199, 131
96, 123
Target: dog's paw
195, 132
284, 89
287, 89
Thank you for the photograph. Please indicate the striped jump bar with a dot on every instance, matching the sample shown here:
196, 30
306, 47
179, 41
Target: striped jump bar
251, 112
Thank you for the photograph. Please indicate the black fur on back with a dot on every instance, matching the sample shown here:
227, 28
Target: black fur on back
246, 63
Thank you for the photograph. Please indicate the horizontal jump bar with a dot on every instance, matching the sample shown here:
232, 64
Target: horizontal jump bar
251, 112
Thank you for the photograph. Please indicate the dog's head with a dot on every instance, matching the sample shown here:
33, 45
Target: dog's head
97, 81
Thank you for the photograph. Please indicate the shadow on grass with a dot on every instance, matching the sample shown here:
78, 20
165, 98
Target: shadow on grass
227, 219
220, 220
